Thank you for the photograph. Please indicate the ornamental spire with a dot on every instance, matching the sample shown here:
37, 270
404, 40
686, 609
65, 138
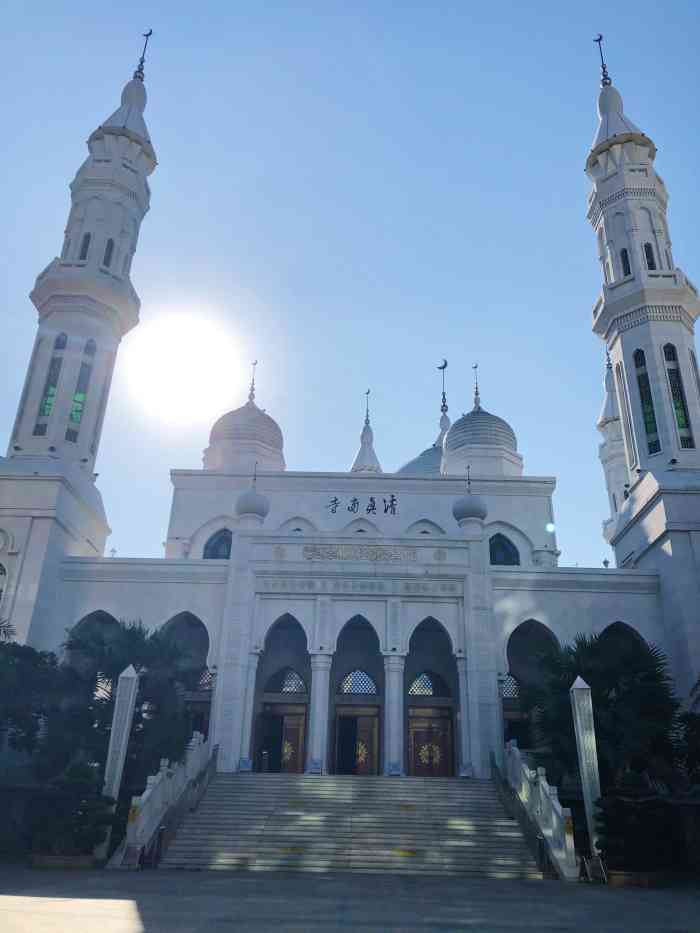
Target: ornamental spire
477, 397
251, 393
139, 73
604, 76
444, 418
366, 460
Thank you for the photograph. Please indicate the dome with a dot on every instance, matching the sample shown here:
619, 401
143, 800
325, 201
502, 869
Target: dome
469, 506
251, 502
426, 463
480, 427
248, 423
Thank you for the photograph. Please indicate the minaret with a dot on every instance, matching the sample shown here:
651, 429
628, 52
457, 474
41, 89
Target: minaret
647, 310
85, 299
612, 451
366, 460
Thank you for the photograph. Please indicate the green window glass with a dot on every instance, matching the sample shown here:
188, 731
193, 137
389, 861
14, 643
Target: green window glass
678, 400
647, 400
80, 394
49, 397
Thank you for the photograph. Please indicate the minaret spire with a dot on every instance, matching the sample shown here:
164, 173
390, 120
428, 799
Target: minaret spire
477, 397
366, 460
139, 73
251, 393
604, 76
444, 418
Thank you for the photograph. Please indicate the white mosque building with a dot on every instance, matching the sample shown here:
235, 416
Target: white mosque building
353, 620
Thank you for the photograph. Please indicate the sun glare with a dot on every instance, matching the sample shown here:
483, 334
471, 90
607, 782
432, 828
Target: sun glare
184, 368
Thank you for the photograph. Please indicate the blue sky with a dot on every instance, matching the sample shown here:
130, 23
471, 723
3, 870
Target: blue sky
348, 193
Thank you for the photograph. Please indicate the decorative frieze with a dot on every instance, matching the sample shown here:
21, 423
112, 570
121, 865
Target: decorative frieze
371, 552
291, 585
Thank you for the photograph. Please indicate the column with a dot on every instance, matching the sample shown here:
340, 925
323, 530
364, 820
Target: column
465, 759
393, 714
317, 753
246, 763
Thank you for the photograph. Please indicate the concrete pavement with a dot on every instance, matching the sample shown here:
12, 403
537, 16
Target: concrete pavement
218, 902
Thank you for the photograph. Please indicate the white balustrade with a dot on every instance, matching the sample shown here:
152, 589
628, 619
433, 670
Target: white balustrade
163, 791
541, 803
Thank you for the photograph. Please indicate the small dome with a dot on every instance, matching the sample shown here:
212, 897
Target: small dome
248, 423
480, 427
469, 506
609, 101
426, 463
251, 502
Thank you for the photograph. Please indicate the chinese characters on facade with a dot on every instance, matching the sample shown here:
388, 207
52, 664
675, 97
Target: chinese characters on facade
373, 506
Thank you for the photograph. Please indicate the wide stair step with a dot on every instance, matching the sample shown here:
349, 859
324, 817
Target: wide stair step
430, 826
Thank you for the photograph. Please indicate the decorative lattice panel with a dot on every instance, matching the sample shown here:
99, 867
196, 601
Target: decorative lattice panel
510, 688
292, 682
422, 686
358, 682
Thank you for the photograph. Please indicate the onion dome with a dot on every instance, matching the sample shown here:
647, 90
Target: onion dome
252, 502
243, 438
469, 506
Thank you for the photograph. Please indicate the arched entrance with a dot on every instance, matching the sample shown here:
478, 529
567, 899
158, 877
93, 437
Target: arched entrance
431, 686
357, 691
527, 646
281, 699
188, 635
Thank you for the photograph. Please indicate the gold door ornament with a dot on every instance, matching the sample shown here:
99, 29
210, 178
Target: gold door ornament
287, 751
361, 753
430, 754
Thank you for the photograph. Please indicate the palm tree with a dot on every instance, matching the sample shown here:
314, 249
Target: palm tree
633, 703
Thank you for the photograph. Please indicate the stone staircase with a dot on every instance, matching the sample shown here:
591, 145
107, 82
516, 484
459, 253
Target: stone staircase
426, 826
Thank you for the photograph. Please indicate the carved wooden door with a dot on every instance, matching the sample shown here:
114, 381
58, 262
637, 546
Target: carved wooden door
367, 745
293, 743
430, 746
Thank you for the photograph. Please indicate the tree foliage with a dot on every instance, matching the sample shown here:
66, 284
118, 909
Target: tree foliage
633, 704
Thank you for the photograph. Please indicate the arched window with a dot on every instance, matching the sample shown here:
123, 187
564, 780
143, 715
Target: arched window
626, 421
678, 400
90, 348
503, 552
286, 681
78, 402
649, 256
625, 262
125, 264
60, 342
358, 682
218, 547
694, 362
109, 252
48, 398
647, 400
84, 248
3, 582
428, 685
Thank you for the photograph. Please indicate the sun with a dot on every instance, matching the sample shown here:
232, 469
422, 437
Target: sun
184, 368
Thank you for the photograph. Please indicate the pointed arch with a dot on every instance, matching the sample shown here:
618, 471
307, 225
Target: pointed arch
286, 680
424, 527
286, 628
297, 526
432, 627
621, 634
429, 684
526, 646
358, 682
84, 247
361, 526
190, 635
502, 551
218, 546
369, 633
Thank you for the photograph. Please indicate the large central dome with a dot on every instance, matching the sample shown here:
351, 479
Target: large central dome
244, 439
247, 423
482, 428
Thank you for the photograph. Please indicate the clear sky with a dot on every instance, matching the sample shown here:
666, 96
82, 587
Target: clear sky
348, 193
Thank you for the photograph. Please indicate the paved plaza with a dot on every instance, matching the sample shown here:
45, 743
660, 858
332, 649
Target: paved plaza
216, 902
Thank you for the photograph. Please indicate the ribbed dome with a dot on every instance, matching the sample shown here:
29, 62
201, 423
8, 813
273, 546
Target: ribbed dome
480, 427
248, 423
425, 464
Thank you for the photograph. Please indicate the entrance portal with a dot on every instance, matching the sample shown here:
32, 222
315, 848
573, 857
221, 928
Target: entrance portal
430, 742
282, 734
357, 740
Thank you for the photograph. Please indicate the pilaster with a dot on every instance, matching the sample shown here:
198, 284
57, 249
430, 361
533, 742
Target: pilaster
394, 714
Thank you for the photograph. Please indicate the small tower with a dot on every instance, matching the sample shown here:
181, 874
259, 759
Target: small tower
612, 452
366, 460
647, 309
85, 300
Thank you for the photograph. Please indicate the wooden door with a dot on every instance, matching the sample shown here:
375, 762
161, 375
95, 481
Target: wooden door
367, 745
429, 743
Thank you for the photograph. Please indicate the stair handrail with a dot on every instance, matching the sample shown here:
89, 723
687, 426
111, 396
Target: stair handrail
165, 791
540, 801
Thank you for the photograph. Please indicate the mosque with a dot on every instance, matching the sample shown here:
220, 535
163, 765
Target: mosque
364, 622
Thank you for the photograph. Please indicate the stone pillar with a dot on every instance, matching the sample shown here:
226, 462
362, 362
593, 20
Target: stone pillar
317, 751
393, 714
584, 727
122, 718
466, 768
246, 762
